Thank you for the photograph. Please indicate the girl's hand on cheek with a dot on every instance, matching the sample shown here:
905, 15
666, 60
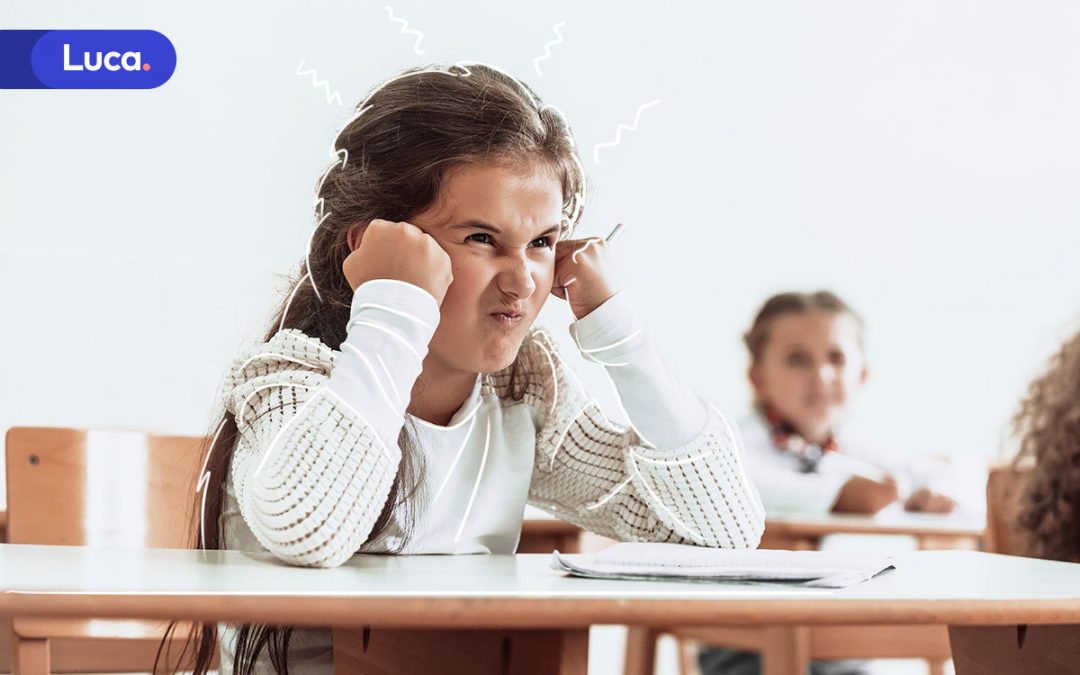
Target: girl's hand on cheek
583, 275
386, 250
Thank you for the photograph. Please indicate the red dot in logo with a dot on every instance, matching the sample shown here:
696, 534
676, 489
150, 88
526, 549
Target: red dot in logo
146, 66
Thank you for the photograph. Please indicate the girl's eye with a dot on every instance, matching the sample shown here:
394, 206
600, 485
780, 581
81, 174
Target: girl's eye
837, 358
796, 360
486, 238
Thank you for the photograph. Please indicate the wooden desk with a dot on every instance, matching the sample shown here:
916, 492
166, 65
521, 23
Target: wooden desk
981, 596
792, 531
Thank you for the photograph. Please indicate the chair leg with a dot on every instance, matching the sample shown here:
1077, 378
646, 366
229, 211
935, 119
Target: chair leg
29, 656
688, 656
937, 666
640, 650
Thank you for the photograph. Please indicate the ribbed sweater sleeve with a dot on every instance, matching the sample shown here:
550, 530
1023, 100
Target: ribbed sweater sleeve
605, 477
317, 451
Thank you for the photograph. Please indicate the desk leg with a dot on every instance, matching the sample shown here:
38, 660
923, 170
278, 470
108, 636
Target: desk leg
379, 651
786, 650
1016, 650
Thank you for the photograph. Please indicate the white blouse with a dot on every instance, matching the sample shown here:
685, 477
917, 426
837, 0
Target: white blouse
317, 450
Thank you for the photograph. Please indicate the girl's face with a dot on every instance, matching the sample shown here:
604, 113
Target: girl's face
810, 369
499, 224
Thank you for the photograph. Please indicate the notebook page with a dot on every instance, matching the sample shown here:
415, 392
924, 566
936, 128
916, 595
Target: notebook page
683, 562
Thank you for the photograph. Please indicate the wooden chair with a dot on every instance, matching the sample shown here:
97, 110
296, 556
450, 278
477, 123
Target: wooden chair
786, 649
1002, 506
78, 487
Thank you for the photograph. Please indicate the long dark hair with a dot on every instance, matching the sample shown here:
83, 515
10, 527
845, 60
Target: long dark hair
392, 158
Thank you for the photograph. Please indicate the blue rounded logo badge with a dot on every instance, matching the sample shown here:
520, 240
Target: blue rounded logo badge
85, 59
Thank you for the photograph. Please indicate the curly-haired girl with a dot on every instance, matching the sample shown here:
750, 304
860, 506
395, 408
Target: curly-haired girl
1049, 492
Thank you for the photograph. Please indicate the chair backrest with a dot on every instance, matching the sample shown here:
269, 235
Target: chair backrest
82, 487
1003, 534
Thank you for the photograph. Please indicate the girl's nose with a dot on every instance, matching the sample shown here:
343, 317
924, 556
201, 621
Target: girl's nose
826, 373
515, 278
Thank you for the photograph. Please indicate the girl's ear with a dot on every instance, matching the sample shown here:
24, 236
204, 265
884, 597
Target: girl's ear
355, 235
755, 378
863, 375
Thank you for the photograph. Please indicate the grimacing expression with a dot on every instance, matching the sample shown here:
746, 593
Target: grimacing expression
499, 223
811, 367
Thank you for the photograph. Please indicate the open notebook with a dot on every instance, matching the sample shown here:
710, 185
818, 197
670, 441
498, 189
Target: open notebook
679, 562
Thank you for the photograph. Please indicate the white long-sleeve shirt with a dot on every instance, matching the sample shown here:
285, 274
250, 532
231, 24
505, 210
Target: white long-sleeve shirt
786, 489
317, 450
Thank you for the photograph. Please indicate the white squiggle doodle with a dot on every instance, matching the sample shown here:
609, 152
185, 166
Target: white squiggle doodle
301, 411
600, 502
242, 408
461, 422
453, 465
580, 195
736, 439
674, 462
606, 364
342, 157
366, 104
331, 96
275, 356
621, 128
307, 258
374, 376
389, 379
242, 425
626, 415
361, 109
570, 371
591, 241
391, 333
554, 376
405, 30
204, 480
547, 47
292, 295
587, 354
613, 345
476, 485
659, 501
596, 241
389, 310
562, 438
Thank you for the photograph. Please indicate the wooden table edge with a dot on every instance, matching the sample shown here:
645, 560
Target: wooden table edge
536, 613
824, 529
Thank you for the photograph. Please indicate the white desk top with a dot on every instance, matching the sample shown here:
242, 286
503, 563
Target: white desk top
961, 587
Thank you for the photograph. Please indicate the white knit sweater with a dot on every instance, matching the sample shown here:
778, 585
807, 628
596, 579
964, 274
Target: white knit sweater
317, 450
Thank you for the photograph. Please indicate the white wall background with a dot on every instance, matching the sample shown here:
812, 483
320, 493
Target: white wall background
920, 158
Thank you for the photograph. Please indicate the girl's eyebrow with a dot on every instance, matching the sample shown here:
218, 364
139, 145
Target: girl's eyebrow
481, 225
